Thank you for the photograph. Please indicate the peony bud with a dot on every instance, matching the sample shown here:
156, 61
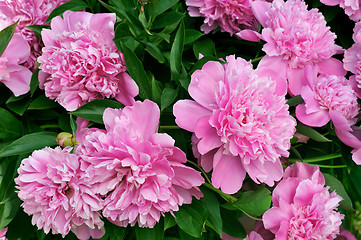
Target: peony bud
66, 139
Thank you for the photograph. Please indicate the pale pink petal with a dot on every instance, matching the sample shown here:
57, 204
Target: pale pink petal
316, 119
185, 108
259, 9
228, 174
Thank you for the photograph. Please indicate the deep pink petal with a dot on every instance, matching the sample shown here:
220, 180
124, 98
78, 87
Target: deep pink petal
249, 35
296, 80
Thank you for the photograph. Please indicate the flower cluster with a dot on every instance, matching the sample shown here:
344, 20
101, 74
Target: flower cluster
80, 61
128, 172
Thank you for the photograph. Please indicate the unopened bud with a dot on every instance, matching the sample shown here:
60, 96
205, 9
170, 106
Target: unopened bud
66, 139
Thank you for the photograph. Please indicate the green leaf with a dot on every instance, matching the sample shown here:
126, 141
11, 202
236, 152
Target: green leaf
206, 47
94, 110
136, 71
114, 232
34, 82
9, 202
38, 28
168, 96
18, 104
185, 236
156, 91
211, 203
41, 103
10, 126
312, 133
73, 5
135, 26
73, 124
335, 184
295, 100
254, 202
5, 36
192, 35
155, 233
166, 19
355, 176
156, 7
175, 58
29, 143
169, 221
231, 225
8, 208
154, 51
191, 218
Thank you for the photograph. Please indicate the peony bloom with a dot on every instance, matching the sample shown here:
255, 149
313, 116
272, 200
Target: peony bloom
15, 76
295, 37
324, 94
2, 233
240, 125
352, 7
230, 15
58, 194
80, 61
352, 60
139, 172
302, 207
345, 235
28, 12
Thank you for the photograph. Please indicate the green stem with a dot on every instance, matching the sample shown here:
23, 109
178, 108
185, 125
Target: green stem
49, 126
200, 169
169, 127
256, 59
328, 166
227, 197
317, 159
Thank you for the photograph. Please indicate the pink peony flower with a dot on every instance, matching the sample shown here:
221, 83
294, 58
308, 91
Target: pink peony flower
345, 235
352, 60
139, 172
80, 62
295, 37
230, 15
302, 207
2, 233
58, 194
240, 125
15, 76
323, 94
352, 7
28, 12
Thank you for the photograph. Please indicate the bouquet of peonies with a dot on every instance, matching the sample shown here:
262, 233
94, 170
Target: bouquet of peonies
169, 119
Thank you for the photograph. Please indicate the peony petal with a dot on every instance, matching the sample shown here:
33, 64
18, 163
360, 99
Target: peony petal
187, 112
316, 119
204, 83
275, 68
259, 9
332, 66
249, 35
208, 137
228, 174
356, 156
19, 81
296, 80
